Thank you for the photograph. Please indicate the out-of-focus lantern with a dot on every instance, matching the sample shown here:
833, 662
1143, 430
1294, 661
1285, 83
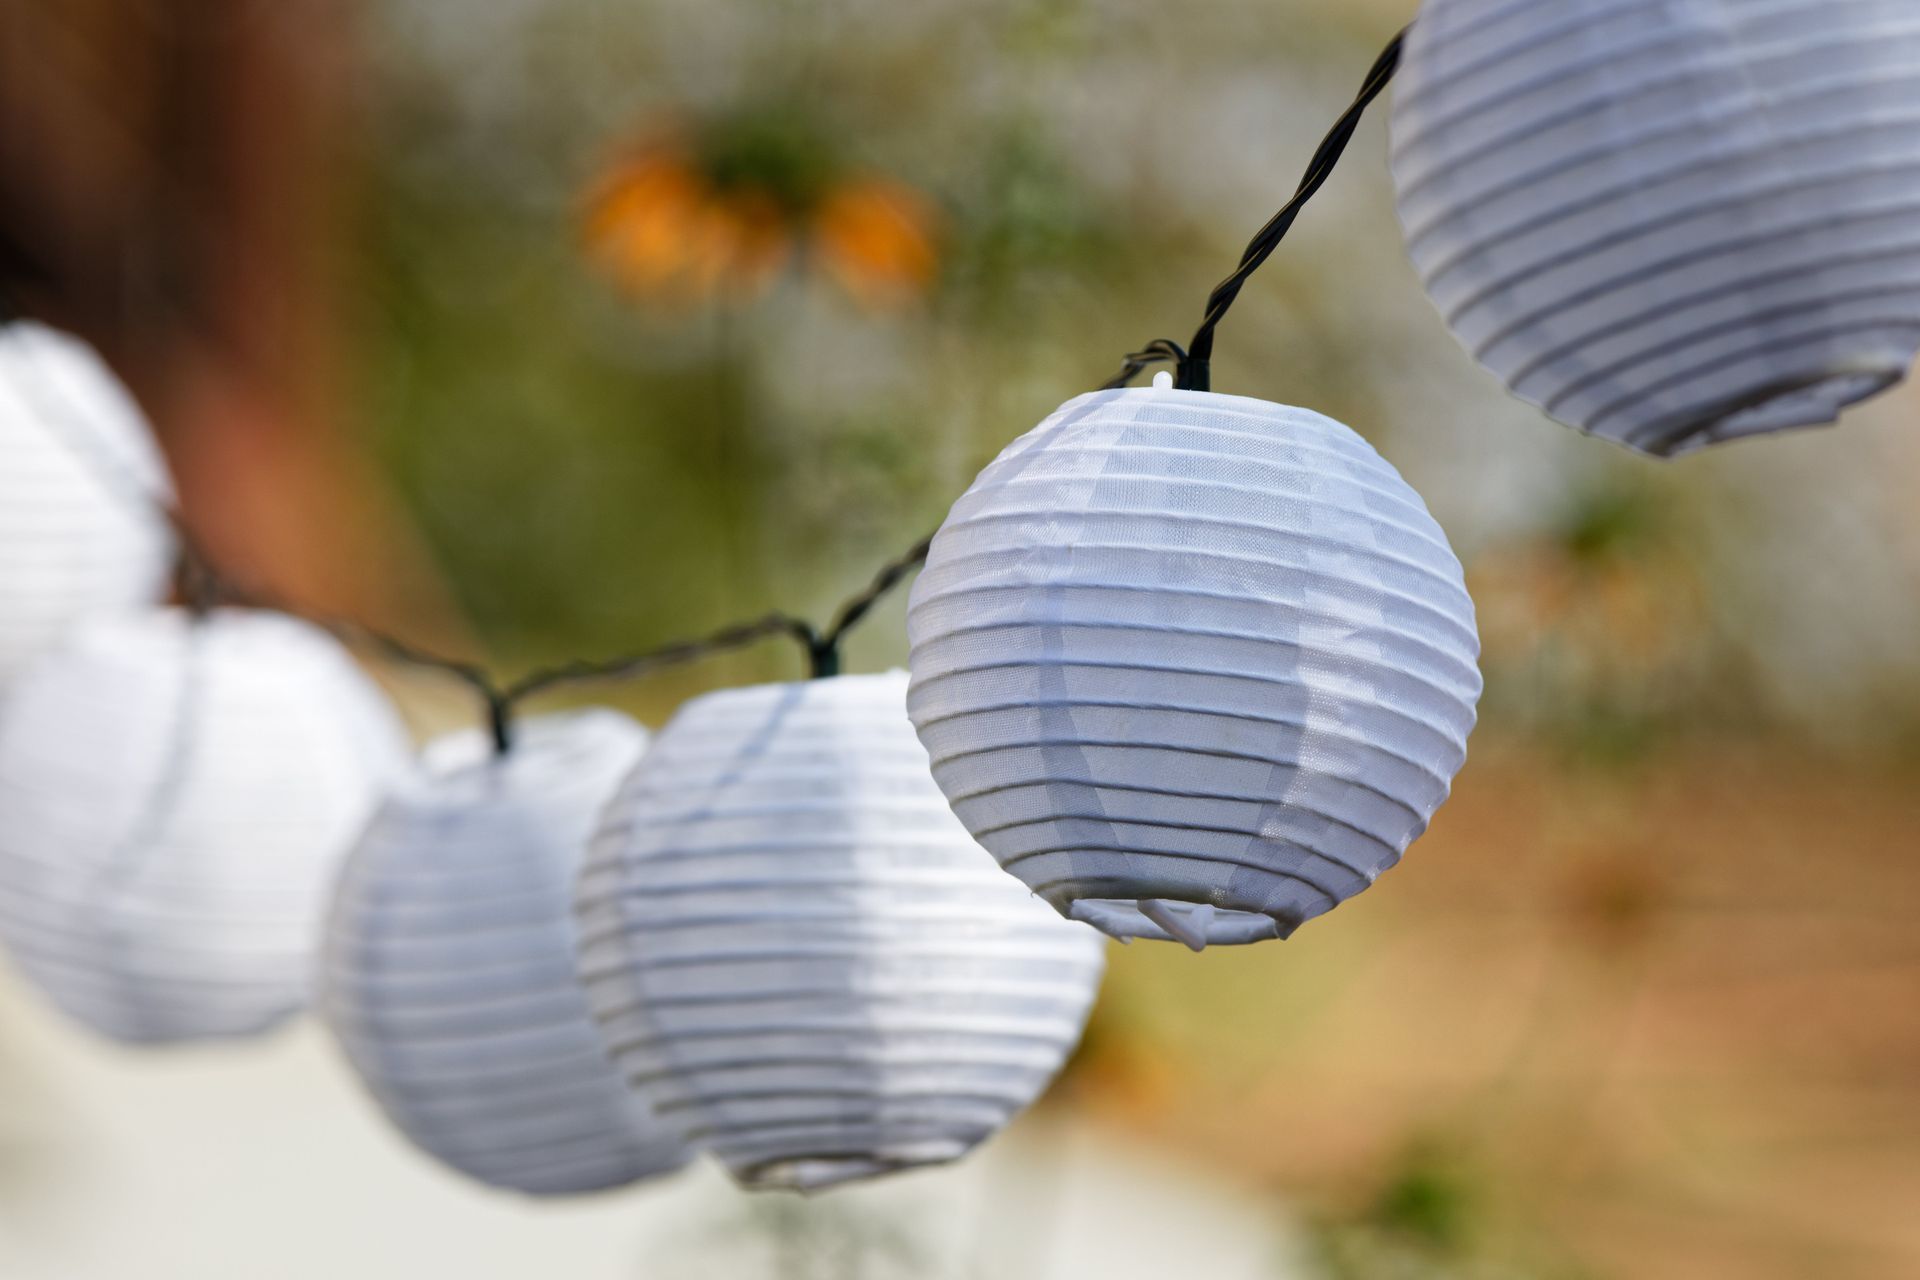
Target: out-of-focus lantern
1192, 666
176, 794
800, 957
448, 971
1669, 224
80, 486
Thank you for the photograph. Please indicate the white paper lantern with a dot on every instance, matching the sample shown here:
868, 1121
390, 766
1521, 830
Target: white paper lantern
1192, 665
175, 798
797, 953
80, 477
449, 967
1669, 224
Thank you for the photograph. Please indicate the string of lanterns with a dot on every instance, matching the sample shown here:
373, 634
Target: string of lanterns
1187, 666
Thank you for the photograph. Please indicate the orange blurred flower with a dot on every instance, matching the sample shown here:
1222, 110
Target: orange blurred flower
684, 218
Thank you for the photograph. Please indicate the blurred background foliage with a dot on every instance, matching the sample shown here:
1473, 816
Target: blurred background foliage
639, 318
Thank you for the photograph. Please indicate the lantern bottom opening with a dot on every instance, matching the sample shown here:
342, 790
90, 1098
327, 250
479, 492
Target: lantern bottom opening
820, 1172
1812, 400
1197, 925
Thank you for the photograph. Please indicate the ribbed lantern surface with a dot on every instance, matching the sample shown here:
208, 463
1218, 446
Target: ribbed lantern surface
175, 799
1192, 666
449, 968
799, 955
1669, 223
79, 477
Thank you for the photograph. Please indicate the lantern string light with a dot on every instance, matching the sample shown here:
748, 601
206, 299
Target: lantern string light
204, 586
1192, 363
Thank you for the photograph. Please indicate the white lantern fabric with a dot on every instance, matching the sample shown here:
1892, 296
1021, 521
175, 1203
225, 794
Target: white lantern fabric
1669, 224
81, 483
176, 795
448, 972
799, 955
1192, 666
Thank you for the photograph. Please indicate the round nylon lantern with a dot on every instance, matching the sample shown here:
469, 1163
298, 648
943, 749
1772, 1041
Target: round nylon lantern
448, 969
1192, 666
176, 794
1669, 224
80, 477
800, 957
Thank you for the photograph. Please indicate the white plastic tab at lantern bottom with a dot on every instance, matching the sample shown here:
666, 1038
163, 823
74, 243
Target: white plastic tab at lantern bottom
798, 954
1669, 225
81, 481
448, 973
175, 797
1193, 667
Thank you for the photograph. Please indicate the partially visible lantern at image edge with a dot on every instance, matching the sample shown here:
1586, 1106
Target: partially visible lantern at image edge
447, 971
176, 795
1192, 666
1669, 225
81, 480
800, 957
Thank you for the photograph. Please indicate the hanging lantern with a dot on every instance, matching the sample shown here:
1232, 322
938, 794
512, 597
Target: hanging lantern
81, 484
1192, 666
175, 797
799, 956
448, 974
1669, 225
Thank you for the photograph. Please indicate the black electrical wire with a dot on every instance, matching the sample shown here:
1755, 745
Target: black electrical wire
1193, 365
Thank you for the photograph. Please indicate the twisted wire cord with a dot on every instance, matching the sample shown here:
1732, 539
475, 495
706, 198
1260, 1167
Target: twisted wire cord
1193, 364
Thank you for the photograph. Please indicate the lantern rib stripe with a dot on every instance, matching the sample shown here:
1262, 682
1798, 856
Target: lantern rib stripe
1202, 597
1284, 446
1344, 659
785, 844
854, 880
1018, 515
1037, 1033
1769, 238
956, 558
1180, 669
1531, 43
960, 795
1706, 334
956, 954
1288, 460
1788, 342
931, 719
1615, 285
1247, 863
1149, 824
959, 1099
1810, 271
1414, 184
1553, 79
1641, 185
1440, 31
